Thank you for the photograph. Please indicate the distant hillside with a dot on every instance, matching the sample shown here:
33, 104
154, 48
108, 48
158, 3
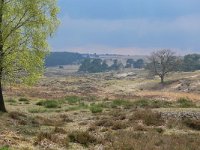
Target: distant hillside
62, 58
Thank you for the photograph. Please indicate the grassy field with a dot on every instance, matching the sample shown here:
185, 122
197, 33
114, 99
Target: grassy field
118, 111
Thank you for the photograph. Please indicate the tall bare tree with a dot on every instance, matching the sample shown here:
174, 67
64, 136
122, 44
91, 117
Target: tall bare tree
162, 62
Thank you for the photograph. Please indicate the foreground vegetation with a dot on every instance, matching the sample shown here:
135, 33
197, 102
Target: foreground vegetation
103, 111
84, 123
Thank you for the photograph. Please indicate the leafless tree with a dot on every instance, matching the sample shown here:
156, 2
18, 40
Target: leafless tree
162, 62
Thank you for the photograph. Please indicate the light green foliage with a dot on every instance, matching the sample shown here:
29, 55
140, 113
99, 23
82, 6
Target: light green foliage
26, 26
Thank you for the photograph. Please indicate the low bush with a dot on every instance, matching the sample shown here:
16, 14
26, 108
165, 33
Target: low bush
148, 117
119, 125
64, 141
60, 130
191, 123
49, 103
96, 109
104, 122
82, 137
23, 100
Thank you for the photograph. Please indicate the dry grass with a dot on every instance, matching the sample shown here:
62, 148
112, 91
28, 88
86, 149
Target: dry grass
148, 117
82, 137
127, 140
57, 140
169, 96
127, 117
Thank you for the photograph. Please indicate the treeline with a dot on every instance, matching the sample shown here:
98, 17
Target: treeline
131, 63
190, 62
62, 58
98, 65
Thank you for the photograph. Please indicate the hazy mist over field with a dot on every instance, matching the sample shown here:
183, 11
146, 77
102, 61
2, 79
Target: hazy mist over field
128, 26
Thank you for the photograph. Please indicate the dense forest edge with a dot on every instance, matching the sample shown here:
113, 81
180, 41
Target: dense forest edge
62, 58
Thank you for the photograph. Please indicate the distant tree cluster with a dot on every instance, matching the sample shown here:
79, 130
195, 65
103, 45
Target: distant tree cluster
62, 58
93, 66
165, 61
98, 65
190, 62
130, 63
117, 65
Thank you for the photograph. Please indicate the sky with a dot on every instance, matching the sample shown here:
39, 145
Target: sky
128, 27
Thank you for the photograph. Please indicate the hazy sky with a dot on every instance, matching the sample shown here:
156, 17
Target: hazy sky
128, 26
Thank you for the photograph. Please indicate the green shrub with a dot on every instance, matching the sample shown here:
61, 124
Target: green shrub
23, 100
52, 104
73, 100
4, 148
185, 103
96, 108
49, 103
82, 137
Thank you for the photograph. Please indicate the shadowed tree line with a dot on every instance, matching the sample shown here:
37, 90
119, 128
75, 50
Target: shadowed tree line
98, 65
62, 58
